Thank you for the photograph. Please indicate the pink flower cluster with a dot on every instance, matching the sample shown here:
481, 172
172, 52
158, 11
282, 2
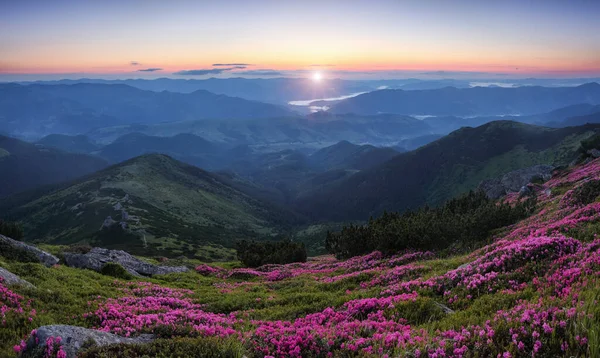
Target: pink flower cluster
12, 303
147, 306
206, 270
53, 347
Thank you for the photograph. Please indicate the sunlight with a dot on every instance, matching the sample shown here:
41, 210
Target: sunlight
317, 76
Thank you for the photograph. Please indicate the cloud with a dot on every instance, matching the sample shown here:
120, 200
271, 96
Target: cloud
458, 73
152, 69
260, 72
230, 64
326, 65
134, 63
205, 71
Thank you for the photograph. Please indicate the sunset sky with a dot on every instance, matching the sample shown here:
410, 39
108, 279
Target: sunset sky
383, 39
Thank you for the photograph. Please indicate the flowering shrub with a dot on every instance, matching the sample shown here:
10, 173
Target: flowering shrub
206, 270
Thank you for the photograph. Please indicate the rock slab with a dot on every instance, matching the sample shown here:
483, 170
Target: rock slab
515, 180
98, 257
74, 338
9, 278
44, 257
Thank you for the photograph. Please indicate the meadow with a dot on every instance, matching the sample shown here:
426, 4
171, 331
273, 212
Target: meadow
531, 291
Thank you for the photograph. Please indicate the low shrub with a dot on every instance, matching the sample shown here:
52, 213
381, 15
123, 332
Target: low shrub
254, 254
115, 270
177, 347
78, 249
467, 219
16, 254
586, 193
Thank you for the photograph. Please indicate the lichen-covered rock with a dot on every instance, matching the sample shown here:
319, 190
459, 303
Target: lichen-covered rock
74, 338
43, 256
96, 258
9, 278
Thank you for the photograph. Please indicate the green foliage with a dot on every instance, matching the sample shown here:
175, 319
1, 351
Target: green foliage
11, 229
78, 249
178, 347
592, 142
586, 193
16, 254
465, 220
115, 270
254, 254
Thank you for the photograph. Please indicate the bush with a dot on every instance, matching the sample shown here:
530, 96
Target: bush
586, 193
115, 270
592, 142
177, 347
467, 219
11, 229
254, 254
78, 249
12, 253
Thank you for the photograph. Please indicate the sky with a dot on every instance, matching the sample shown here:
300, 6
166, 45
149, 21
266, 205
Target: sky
342, 39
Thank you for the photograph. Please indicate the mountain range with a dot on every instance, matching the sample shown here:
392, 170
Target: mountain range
445, 168
268, 194
38, 110
476, 101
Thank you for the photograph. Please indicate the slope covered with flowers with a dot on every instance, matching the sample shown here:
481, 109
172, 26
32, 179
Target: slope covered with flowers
531, 292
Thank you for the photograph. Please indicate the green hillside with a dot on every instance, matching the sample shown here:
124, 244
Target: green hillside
445, 168
167, 208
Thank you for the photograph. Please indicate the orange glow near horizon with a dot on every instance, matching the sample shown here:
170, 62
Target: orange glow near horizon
514, 38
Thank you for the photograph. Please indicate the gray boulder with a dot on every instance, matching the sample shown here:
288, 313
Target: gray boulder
10, 278
96, 258
493, 188
525, 190
515, 180
44, 257
74, 338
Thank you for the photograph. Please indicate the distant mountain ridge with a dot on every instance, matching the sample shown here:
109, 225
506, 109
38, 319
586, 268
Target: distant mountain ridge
476, 101
38, 110
345, 155
25, 166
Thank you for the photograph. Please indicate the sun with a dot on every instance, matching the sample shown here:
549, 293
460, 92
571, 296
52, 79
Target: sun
317, 76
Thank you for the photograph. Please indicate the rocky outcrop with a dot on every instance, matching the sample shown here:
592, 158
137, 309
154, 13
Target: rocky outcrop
446, 309
96, 258
515, 180
9, 278
493, 188
74, 338
594, 153
44, 257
